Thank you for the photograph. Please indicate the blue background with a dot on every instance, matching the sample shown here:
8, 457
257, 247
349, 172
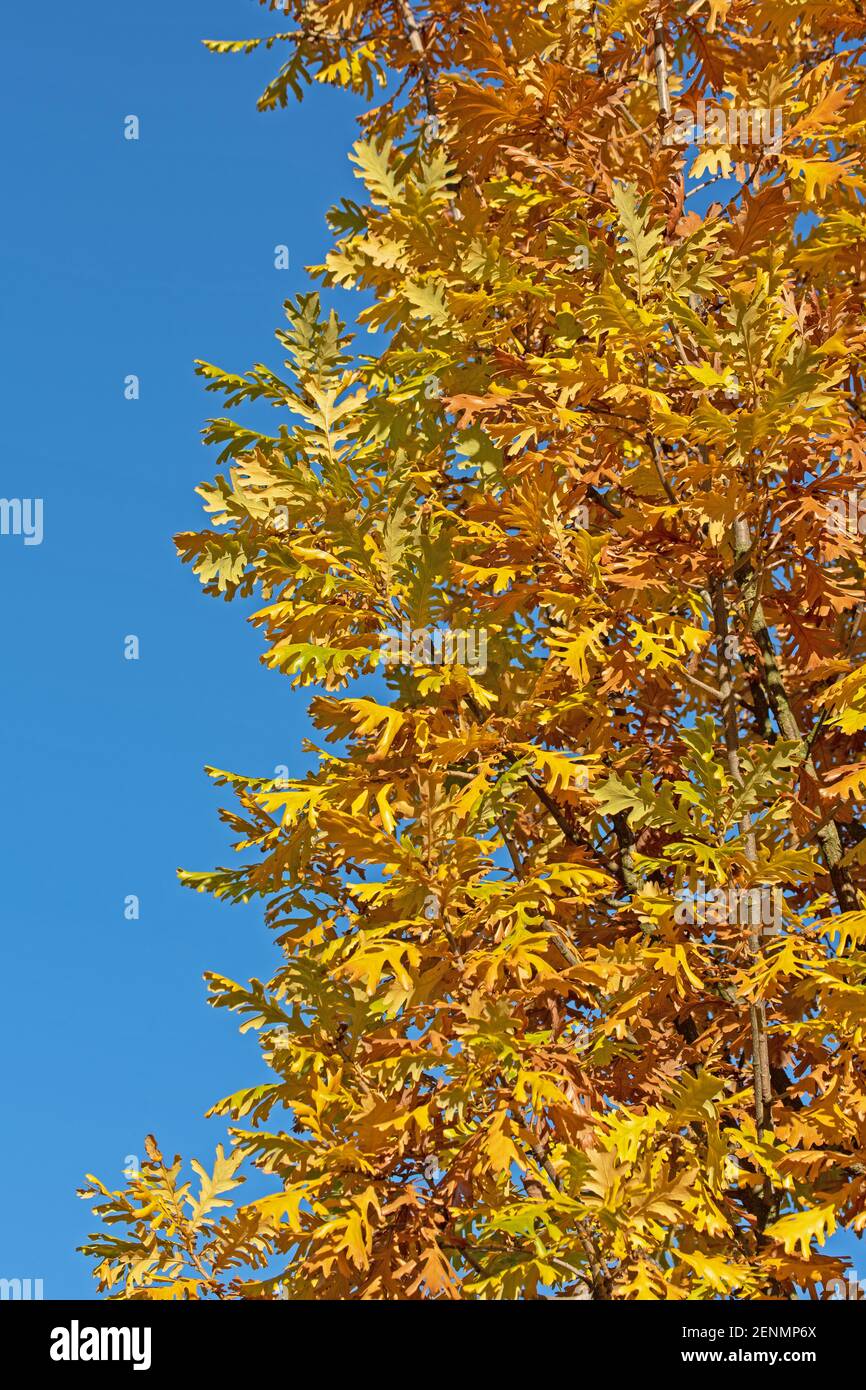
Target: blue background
127, 257
130, 257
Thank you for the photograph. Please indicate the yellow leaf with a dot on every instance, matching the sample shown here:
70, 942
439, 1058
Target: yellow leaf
802, 1227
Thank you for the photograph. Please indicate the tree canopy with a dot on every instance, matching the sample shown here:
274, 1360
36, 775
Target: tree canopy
569, 910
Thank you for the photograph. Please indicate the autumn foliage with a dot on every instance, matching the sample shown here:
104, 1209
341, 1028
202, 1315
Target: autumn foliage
522, 1040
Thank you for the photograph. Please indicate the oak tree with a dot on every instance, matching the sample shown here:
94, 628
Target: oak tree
569, 912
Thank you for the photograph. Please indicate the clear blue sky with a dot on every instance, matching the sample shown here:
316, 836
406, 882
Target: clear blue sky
122, 257
129, 257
